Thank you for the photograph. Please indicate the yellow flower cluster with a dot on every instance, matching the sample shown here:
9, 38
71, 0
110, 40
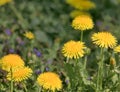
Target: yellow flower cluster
3, 2
82, 22
29, 35
14, 65
50, 81
81, 4
73, 49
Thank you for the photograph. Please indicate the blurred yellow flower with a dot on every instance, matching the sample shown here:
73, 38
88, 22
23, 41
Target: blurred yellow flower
73, 49
50, 81
11, 61
104, 39
2, 2
117, 49
20, 74
29, 35
82, 22
81, 4
76, 13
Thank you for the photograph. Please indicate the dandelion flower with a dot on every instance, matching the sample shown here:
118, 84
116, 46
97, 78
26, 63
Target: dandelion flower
104, 39
49, 81
11, 61
20, 74
2, 2
73, 49
117, 49
81, 4
29, 35
82, 22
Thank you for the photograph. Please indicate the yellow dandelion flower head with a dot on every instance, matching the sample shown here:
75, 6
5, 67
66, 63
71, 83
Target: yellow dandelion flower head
104, 39
81, 4
82, 22
2, 2
11, 61
29, 35
73, 49
117, 49
20, 74
50, 81
76, 13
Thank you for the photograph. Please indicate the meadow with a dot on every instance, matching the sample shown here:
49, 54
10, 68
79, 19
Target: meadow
60, 45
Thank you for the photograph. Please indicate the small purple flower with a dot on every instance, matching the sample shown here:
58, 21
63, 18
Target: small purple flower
11, 50
37, 72
8, 32
67, 81
47, 68
37, 52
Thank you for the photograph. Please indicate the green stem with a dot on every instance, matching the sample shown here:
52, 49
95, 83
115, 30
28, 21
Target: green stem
79, 65
11, 82
23, 23
39, 89
67, 60
85, 62
102, 67
100, 73
81, 37
25, 88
